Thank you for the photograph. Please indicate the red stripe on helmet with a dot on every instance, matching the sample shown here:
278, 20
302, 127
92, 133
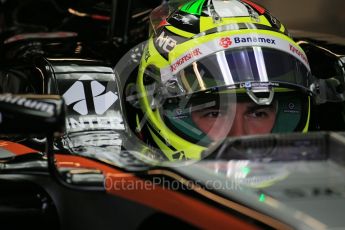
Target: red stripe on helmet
260, 9
163, 23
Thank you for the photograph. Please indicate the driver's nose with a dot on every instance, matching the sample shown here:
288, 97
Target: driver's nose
238, 126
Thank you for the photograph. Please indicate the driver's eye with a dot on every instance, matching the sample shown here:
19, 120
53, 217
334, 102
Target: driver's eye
212, 114
261, 112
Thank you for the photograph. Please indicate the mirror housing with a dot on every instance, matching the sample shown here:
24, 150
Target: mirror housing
32, 115
323, 62
329, 69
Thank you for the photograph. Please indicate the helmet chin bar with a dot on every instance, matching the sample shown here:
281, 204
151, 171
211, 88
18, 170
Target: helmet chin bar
261, 101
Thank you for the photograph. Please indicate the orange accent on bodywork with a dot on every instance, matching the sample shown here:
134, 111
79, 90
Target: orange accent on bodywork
17, 149
172, 202
129, 186
71, 161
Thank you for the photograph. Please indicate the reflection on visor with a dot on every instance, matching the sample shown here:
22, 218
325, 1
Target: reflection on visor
241, 65
214, 117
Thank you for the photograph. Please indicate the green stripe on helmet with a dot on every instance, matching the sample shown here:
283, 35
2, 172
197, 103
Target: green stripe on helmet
193, 7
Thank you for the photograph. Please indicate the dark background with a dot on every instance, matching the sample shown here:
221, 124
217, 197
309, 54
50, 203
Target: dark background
321, 16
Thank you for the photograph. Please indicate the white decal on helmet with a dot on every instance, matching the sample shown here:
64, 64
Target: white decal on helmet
165, 42
230, 8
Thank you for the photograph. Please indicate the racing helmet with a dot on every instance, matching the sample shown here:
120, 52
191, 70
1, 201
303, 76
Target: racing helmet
205, 57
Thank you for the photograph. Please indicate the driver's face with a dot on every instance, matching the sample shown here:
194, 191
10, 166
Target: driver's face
242, 118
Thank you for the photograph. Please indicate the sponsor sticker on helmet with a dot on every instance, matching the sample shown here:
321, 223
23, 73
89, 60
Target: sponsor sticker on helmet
186, 20
225, 42
252, 39
296, 51
250, 85
231, 42
186, 59
165, 42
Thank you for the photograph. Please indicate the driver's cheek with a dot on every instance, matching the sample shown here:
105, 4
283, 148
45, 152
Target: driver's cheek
216, 129
220, 129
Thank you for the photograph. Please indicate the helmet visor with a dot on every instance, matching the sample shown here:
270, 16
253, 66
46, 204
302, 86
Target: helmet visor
241, 67
242, 91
